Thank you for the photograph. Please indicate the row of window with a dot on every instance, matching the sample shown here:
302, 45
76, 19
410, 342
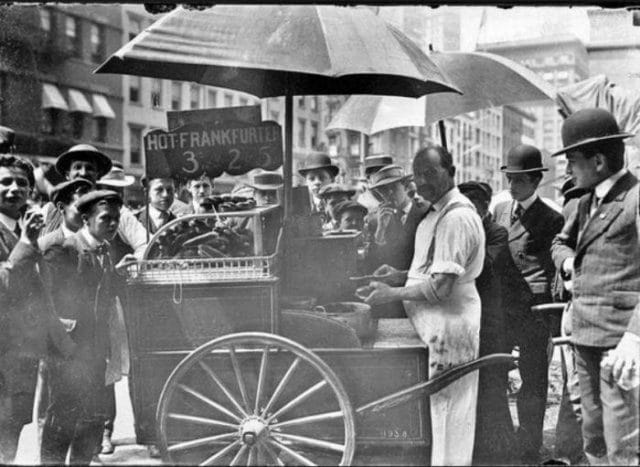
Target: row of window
302, 134
56, 122
73, 28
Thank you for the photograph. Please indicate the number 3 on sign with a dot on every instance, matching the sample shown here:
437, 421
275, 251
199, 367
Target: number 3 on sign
191, 159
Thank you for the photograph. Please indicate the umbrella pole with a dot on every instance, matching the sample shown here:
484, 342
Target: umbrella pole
443, 133
287, 163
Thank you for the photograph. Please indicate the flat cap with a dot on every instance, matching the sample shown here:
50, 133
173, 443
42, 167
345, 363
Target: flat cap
62, 191
475, 186
336, 188
87, 201
349, 204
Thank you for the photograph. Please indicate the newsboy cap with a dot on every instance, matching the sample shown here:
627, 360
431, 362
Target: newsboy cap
87, 201
476, 187
589, 126
336, 188
349, 205
63, 191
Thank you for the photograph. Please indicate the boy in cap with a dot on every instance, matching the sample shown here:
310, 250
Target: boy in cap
80, 278
27, 323
331, 195
532, 225
350, 215
598, 251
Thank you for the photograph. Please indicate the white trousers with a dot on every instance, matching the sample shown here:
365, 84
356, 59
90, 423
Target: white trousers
453, 422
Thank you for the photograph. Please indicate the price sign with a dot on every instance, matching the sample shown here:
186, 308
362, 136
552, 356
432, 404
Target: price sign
212, 148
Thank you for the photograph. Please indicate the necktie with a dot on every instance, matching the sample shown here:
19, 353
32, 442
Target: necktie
163, 217
17, 230
517, 213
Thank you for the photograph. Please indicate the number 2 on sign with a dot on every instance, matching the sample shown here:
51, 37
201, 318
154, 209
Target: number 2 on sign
235, 163
195, 165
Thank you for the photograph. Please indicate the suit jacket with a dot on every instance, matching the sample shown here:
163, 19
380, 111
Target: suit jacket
29, 329
530, 243
82, 291
606, 277
142, 217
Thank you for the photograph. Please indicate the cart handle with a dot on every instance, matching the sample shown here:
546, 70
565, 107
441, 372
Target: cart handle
434, 385
549, 307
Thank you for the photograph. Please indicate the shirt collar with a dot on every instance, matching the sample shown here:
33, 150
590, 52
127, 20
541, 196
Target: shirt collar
526, 203
90, 239
605, 185
407, 207
9, 222
66, 231
154, 214
448, 196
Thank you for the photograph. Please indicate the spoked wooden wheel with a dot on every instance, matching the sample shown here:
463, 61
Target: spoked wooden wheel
255, 399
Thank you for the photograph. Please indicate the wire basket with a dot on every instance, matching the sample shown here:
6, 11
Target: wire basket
202, 270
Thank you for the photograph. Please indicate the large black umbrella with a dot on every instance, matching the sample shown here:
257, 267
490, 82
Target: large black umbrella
280, 50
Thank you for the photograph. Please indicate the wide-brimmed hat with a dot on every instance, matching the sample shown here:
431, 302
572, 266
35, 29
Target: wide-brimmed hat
7, 137
86, 201
334, 189
319, 160
266, 181
376, 162
523, 159
478, 187
62, 190
349, 204
388, 175
117, 178
83, 152
588, 126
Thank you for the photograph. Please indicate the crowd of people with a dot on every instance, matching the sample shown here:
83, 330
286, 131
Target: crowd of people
467, 276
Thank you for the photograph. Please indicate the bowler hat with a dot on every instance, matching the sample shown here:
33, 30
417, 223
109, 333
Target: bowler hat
388, 175
318, 160
62, 191
523, 159
83, 152
588, 126
87, 201
336, 188
349, 204
117, 178
374, 163
266, 181
478, 187
7, 136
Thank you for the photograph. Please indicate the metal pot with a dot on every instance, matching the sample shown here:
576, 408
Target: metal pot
354, 314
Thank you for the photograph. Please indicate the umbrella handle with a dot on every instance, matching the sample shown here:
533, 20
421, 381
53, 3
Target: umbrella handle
443, 133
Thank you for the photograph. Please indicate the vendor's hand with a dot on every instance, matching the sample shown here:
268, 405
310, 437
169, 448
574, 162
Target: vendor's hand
623, 362
381, 293
391, 275
31, 227
127, 260
567, 267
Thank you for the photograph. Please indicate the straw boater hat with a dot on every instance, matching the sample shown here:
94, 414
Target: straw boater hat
266, 181
83, 152
588, 126
523, 159
376, 162
388, 175
319, 160
117, 178
334, 189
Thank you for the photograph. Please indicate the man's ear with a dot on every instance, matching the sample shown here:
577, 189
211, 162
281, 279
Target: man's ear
85, 218
601, 162
60, 206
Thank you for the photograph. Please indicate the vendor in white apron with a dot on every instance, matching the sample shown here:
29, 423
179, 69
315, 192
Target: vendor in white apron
441, 300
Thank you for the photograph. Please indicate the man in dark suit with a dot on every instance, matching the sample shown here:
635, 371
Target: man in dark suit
532, 225
162, 193
598, 250
28, 327
80, 279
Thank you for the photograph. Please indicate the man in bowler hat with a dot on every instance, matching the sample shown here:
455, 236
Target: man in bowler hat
598, 250
532, 225
318, 171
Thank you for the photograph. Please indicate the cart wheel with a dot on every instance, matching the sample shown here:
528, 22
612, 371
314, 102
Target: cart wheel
254, 399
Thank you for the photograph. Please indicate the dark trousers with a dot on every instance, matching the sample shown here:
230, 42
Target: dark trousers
610, 420
530, 332
15, 412
111, 409
76, 412
568, 430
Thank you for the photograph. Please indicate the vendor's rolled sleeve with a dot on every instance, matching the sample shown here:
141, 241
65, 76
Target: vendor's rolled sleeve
459, 237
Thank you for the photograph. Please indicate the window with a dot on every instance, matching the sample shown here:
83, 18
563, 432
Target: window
156, 93
228, 100
176, 95
314, 135
135, 26
244, 101
46, 23
301, 102
212, 98
73, 44
97, 43
194, 96
100, 129
77, 124
275, 115
49, 121
547, 76
302, 132
135, 142
314, 103
134, 89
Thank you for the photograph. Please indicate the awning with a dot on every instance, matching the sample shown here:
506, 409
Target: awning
52, 98
101, 107
78, 103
